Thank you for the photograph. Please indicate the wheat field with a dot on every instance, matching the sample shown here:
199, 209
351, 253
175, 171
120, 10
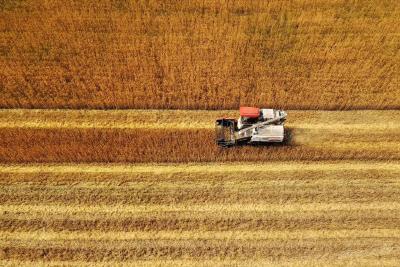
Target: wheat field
107, 150
200, 54
292, 213
150, 187
188, 136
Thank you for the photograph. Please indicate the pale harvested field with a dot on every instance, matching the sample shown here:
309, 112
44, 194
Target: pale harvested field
292, 213
185, 136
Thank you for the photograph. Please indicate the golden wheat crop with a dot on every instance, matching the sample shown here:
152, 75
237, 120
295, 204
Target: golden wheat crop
200, 54
291, 213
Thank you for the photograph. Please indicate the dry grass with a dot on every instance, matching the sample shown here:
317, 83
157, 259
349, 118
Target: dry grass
93, 145
187, 119
201, 54
291, 213
136, 136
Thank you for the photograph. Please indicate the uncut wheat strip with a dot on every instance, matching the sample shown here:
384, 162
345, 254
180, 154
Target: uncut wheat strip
204, 168
201, 208
96, 145
45, 235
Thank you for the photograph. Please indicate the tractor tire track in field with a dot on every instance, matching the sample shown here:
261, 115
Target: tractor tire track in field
275, 212
188, 136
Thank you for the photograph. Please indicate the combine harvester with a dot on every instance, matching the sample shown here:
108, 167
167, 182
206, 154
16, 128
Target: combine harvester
254, 126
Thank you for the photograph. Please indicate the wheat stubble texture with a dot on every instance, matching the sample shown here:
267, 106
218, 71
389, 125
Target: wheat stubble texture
292, 213
150, 188
303, 54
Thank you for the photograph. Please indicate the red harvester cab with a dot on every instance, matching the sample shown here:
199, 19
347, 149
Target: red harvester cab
249, 112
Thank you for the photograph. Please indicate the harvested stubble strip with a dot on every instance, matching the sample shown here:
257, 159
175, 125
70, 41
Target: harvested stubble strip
174, 193
387, 261
39, 229
289, 235
93, 250
155, 136
17, 220
188, 119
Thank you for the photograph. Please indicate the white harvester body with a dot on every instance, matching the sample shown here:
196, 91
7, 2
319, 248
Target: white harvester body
272, 133
254, 126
